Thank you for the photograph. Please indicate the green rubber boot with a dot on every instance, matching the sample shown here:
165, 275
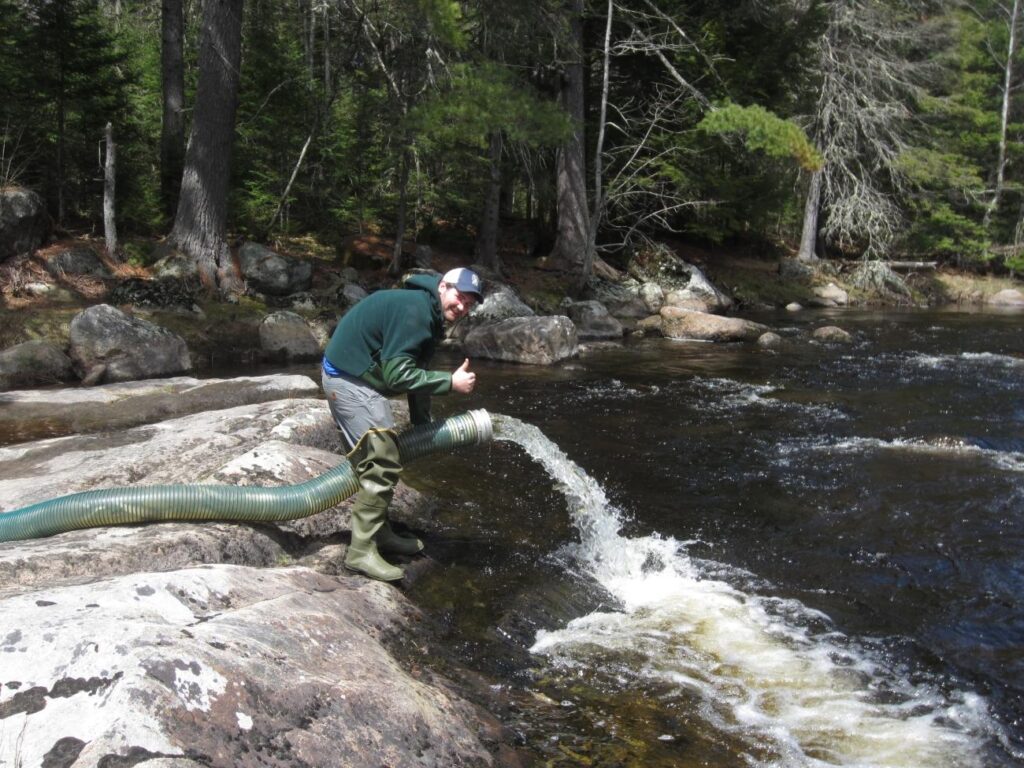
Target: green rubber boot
395, 543
378, 466
367, 520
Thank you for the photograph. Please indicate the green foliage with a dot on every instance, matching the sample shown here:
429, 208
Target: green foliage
762, 131
483, 98
445, 20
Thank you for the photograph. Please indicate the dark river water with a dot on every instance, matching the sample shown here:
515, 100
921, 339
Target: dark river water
720, 555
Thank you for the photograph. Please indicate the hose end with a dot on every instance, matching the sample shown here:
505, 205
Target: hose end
484, 427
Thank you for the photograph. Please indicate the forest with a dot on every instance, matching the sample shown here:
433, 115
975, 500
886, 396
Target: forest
574, 131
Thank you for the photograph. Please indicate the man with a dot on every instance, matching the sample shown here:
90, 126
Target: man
381, 347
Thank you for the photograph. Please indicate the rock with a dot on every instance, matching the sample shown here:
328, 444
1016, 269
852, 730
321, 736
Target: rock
793, 307
820, 303
172, 264
271, 273
352, 294
500, 303
650, 325
661, 265
769, 340
31, 364
686, 300
653, 297
26, 414
593, 321
833, 293
534, 340
286, 334
24, 223
682, 324
131, 348
1009, 297
622, 299
794, 269
831, 334
224, 665
77, 260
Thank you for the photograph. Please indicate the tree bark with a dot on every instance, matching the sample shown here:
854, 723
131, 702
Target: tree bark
487, 240
809, 235
572, 240
403, 186
172, 129
109, 174
201, 220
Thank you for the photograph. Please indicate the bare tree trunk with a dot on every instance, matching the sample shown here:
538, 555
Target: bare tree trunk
201, 222
809, 236
403, 186
109, 168
572, 242
172, 129
487, 240
1011, 49
597, 209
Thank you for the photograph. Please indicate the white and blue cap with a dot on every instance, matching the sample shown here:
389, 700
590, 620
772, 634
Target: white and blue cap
465, 281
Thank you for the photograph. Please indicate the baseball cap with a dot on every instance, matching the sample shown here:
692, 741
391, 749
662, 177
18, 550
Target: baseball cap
464, 280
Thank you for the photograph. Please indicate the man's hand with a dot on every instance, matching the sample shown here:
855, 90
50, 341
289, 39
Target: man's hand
462, 380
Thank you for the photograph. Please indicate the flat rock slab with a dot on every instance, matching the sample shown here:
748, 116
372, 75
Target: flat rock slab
221, 666
33, 413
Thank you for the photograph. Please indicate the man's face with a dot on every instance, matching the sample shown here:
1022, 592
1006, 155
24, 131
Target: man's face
455, 304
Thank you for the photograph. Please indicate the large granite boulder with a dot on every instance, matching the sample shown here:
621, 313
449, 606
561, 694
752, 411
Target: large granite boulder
33, 363
624, 299
831, 334
24, 223
700, 326
126, 347
500, 303
593, 321
31, 413
534, 340
661, 265
76, 260
832, 295
118, 650
286, 334
269, 272
1009, 297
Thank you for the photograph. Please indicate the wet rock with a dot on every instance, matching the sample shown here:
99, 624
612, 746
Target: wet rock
53, 412
793, 306
832, 293
534, 340
831, 334
1009, 297
650, 325
683, 324
24, 223
769, 340
129, 347
33, 363
687, 301
593, 321
272, 273
77, 260
285, 334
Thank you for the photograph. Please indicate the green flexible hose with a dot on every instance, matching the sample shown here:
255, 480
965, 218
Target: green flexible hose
188, 503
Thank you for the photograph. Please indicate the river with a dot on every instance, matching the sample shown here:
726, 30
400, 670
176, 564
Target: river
719, 555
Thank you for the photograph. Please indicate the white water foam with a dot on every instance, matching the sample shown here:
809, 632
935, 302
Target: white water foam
983, 358
1010, 461
768, 671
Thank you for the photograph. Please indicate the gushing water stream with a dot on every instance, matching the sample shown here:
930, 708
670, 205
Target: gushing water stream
769, 672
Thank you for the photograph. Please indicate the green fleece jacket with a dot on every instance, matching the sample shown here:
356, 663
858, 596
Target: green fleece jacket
388, 339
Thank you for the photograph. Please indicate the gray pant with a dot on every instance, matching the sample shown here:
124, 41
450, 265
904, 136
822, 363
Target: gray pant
356, 407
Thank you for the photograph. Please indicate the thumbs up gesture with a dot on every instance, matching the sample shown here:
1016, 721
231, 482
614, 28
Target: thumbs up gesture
462, 380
